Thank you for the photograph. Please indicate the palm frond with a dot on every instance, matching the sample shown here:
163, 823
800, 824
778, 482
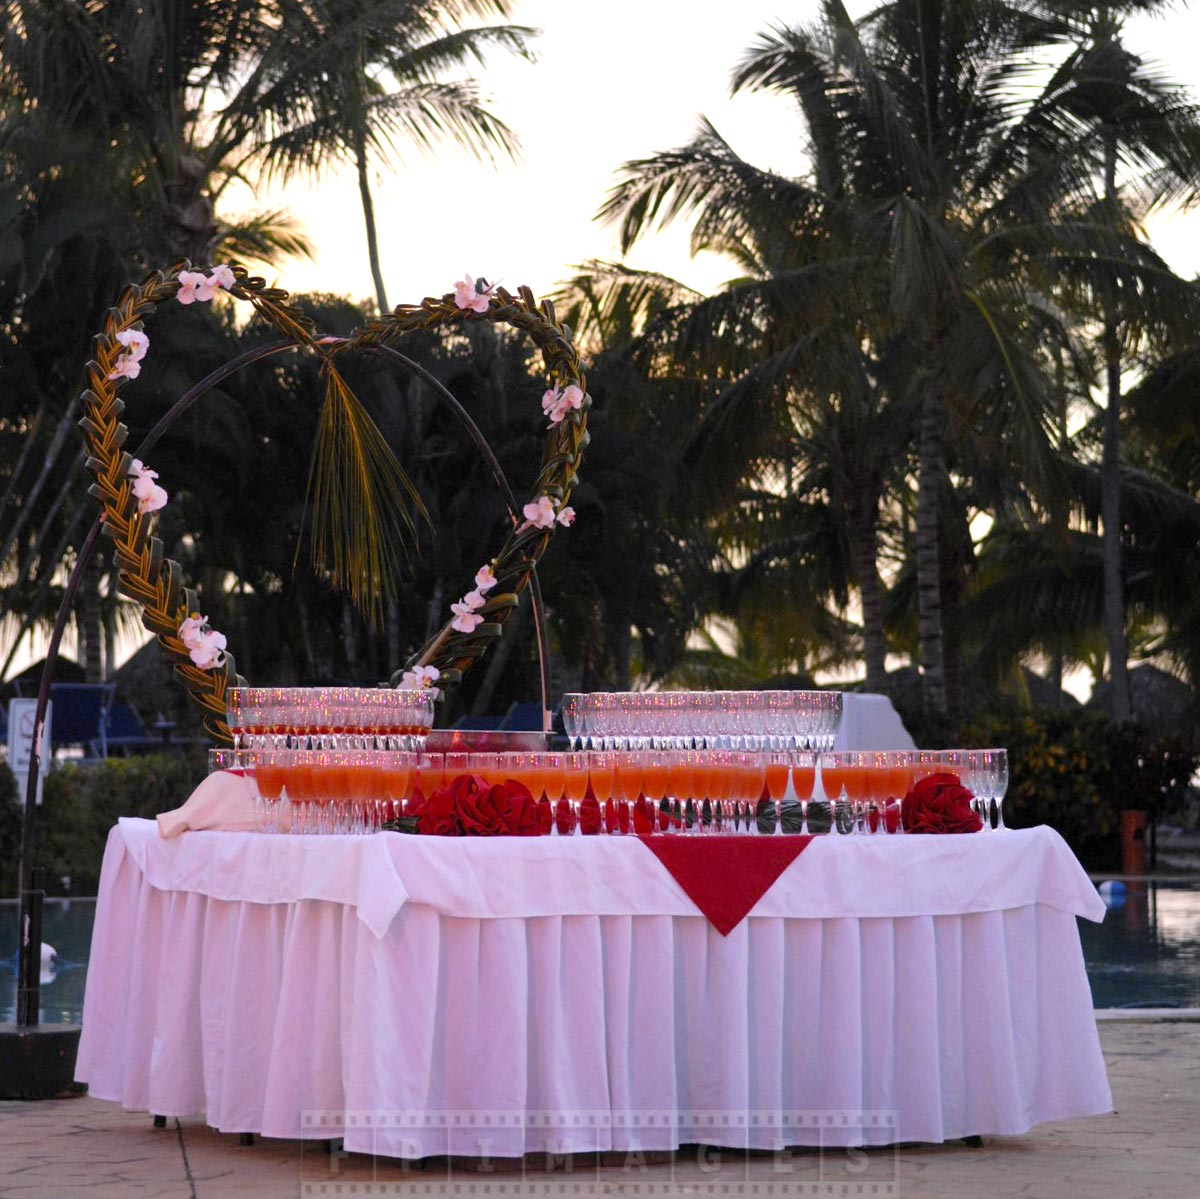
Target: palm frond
361, 501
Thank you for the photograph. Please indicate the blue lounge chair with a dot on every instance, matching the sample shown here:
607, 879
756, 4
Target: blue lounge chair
80, 715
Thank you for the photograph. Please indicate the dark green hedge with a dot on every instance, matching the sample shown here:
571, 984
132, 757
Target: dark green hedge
81, 804
1077, 771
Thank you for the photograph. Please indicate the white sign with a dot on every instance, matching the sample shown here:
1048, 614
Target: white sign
21, 715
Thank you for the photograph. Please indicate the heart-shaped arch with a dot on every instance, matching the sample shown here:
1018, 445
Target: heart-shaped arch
156, 583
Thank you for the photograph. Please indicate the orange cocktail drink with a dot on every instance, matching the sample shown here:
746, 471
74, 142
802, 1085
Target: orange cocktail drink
679, 774
654, 775
628, 775
575, 784
804, 774
601, 774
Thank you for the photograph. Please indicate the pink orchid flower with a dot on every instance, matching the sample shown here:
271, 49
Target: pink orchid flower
556, 404
474, 599
192, 630
573, 400
465, 295
421, 676
540, 512
193, 286
566, 516
484, 579
128, 367
222, 276
208, 653
465, 621
135, 341
142, 482
154, 498
150, 496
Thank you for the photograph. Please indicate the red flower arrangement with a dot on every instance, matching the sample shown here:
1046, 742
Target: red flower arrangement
939, 803
468, 806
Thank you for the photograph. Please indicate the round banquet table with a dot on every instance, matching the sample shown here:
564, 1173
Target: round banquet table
495, 997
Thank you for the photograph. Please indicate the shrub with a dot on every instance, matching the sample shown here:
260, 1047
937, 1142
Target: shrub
1077, 771
81, 804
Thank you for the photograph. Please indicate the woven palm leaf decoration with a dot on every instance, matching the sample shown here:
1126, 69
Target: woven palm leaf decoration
353, 469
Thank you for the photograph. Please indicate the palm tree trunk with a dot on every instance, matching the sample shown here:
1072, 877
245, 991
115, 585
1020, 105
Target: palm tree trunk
1059, 516
368, 207
929, 581
110, 627
870, 592
1110, 475
91, 636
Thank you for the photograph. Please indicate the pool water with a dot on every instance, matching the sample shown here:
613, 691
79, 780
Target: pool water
1145, 954
1147, 951
66, 925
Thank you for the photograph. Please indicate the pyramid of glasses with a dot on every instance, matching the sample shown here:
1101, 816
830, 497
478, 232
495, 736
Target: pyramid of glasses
315, 718
673, 720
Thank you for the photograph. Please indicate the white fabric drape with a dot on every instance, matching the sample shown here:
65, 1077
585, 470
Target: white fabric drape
622, 1021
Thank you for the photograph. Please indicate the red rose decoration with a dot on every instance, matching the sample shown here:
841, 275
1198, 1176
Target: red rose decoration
516, 808
610, 816
891, 816
623, 815
564, 818
477, 815
545, 816
436, 816
939, 803
643, 821
589, 816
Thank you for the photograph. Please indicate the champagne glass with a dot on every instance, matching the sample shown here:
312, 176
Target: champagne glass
654, 775
995, 770
397, 779
601, 774
268, 781
572, 715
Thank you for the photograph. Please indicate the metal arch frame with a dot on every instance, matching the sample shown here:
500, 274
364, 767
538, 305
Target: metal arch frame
29, 949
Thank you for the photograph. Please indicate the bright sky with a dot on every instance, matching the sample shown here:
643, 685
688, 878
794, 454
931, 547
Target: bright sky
612, 82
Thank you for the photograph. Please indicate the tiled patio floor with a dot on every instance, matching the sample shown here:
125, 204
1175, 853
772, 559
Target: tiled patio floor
1150, 1149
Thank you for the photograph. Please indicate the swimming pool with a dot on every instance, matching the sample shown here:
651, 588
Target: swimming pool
66, 925
1145, 954
1147, 951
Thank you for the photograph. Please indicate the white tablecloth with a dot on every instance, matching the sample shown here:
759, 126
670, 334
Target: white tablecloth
495, 997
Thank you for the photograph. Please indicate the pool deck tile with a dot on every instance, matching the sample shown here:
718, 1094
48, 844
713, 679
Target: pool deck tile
1148, 1149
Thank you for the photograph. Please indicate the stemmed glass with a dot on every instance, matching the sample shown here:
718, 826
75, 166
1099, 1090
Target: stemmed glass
994, 766
268, 782
572, 714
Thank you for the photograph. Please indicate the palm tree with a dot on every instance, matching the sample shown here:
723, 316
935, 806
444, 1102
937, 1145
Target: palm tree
1148, 128
915, 176
382, 84
121, 126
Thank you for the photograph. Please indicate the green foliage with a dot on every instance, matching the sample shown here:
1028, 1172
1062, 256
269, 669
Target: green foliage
1077, 771
81, 804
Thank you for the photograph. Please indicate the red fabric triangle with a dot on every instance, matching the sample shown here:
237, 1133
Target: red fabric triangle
726, 876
